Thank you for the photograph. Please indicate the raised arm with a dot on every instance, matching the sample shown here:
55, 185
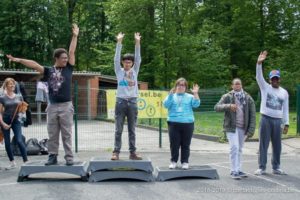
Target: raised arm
28, 63
196, 99
137, 52
73, 44
259, 73
117, 58
169, 99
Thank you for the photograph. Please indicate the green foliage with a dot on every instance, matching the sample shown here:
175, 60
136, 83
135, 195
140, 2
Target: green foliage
207, 44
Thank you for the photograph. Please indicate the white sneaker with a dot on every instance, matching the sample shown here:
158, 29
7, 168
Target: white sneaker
260, 172
12, 165
172, 165
185, 166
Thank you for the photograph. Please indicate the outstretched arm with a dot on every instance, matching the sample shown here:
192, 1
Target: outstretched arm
117, 59
28, 63
137, 54
73, 44
259, 74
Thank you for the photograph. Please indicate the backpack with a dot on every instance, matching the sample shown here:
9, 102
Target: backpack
44, 146
33, 147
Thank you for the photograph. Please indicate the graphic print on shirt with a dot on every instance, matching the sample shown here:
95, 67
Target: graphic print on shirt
274, 102
56, 80
128, 80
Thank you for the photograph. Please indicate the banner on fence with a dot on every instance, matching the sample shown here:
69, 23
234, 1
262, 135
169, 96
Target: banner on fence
149, 103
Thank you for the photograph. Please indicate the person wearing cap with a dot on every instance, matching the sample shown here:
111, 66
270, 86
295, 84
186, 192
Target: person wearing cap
274, 109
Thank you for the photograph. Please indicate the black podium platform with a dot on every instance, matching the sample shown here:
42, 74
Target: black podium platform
34, 167
105, 169
164, 173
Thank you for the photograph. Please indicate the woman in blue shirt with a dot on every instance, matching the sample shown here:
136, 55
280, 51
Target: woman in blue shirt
180, 106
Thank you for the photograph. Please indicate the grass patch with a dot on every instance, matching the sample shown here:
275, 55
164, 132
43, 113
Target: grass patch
211, 123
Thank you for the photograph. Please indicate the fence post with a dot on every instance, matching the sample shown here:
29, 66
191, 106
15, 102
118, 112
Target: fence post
75, 114
160, 132
298, 109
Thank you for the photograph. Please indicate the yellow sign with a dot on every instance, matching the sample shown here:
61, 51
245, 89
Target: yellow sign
149, 104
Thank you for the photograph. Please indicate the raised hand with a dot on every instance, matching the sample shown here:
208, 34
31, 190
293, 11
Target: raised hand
120, 37
195, 89
262, 57
11, 58
137, 36
75, 30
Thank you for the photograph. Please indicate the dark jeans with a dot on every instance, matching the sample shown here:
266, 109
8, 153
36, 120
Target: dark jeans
269, 129
125, 108
180, 135
17, 129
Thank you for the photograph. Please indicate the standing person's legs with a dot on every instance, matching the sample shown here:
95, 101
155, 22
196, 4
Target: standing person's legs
174, 137
53, 128
17, 129
264, 140
186, 134
276, 143
65, 116
233, 140
120, 111
241, 137
132, 112
6, 134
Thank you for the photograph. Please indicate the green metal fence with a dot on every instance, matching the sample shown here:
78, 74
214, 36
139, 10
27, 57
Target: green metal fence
93, 131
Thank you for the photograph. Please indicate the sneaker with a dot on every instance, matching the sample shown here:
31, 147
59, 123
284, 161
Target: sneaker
52, 159
185, 165
134, 156
235, 176
242, 174
279, 171
115, 156
260, 172
12, 165
69, 162
172, 165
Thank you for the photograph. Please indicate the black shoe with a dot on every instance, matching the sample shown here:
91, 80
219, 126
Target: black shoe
69, 162
52, 159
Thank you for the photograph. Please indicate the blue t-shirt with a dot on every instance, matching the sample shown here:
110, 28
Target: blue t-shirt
180, 107
59, 81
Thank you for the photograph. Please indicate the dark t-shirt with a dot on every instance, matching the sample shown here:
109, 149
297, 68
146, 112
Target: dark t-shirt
10, 104
59, 83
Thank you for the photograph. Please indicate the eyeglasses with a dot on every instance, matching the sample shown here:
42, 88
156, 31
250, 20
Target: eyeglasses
181, 85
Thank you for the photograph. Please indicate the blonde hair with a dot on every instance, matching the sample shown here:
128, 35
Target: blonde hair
6, 81
177, 83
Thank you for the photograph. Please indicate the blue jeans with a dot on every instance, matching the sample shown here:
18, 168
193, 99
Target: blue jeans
17, 129
128, 108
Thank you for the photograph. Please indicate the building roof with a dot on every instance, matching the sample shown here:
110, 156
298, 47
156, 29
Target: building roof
33, 72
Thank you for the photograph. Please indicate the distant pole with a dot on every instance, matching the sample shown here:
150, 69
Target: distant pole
298, 110
75, 114
160, 132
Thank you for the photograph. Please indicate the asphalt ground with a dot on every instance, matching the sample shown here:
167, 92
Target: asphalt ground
63, 186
